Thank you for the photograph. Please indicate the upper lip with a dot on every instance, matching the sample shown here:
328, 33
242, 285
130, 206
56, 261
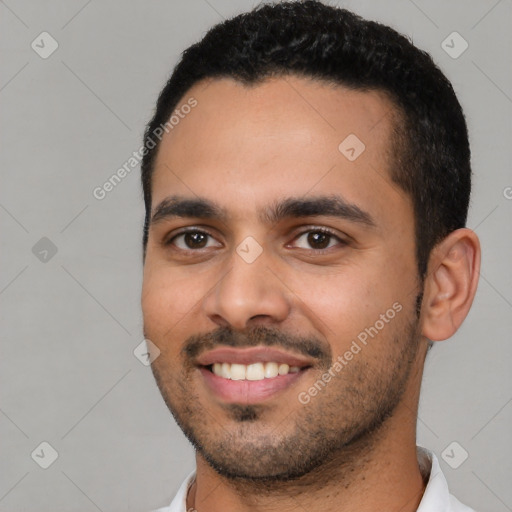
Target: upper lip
251, 355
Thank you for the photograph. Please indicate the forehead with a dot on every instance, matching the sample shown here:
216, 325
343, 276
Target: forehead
288, 136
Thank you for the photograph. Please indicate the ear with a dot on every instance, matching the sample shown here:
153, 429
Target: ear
450, 285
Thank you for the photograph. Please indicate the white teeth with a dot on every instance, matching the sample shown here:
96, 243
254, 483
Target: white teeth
237, 372
271, 370
283, 369
254, 371
222, 369
225, 371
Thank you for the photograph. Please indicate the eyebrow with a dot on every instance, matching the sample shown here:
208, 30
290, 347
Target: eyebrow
325, 206
182, 207
292, 207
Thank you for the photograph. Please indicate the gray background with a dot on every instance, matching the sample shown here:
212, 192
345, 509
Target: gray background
71, 321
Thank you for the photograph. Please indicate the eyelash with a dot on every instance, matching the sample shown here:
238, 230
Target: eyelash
310, 230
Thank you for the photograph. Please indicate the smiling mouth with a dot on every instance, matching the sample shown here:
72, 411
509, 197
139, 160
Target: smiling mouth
248, 383
253, 372
250, 375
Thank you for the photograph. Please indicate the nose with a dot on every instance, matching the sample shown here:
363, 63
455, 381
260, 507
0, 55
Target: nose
247, 294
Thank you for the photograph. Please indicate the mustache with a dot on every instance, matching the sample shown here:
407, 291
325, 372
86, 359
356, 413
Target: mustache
309, 346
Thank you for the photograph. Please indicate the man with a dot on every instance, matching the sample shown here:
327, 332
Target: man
306, 181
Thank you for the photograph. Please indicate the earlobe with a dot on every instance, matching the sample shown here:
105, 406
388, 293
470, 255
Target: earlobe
451, 283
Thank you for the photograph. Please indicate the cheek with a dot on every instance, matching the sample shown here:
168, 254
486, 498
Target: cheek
342, 305
165, 308
338, 303
166, 300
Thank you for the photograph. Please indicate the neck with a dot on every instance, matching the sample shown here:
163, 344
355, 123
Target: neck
381, 473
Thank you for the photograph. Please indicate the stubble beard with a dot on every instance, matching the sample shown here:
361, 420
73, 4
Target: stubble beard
338, 428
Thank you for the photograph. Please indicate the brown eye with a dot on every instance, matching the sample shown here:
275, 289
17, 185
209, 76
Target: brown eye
193, 240
317, 240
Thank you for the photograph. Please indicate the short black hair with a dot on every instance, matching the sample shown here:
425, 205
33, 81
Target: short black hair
430, 154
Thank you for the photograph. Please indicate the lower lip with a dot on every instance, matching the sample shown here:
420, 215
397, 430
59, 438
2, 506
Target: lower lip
248, 391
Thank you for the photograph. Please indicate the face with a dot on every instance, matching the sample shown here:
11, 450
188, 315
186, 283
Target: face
280, 277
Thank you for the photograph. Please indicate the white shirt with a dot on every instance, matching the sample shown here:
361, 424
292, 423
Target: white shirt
436, 497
